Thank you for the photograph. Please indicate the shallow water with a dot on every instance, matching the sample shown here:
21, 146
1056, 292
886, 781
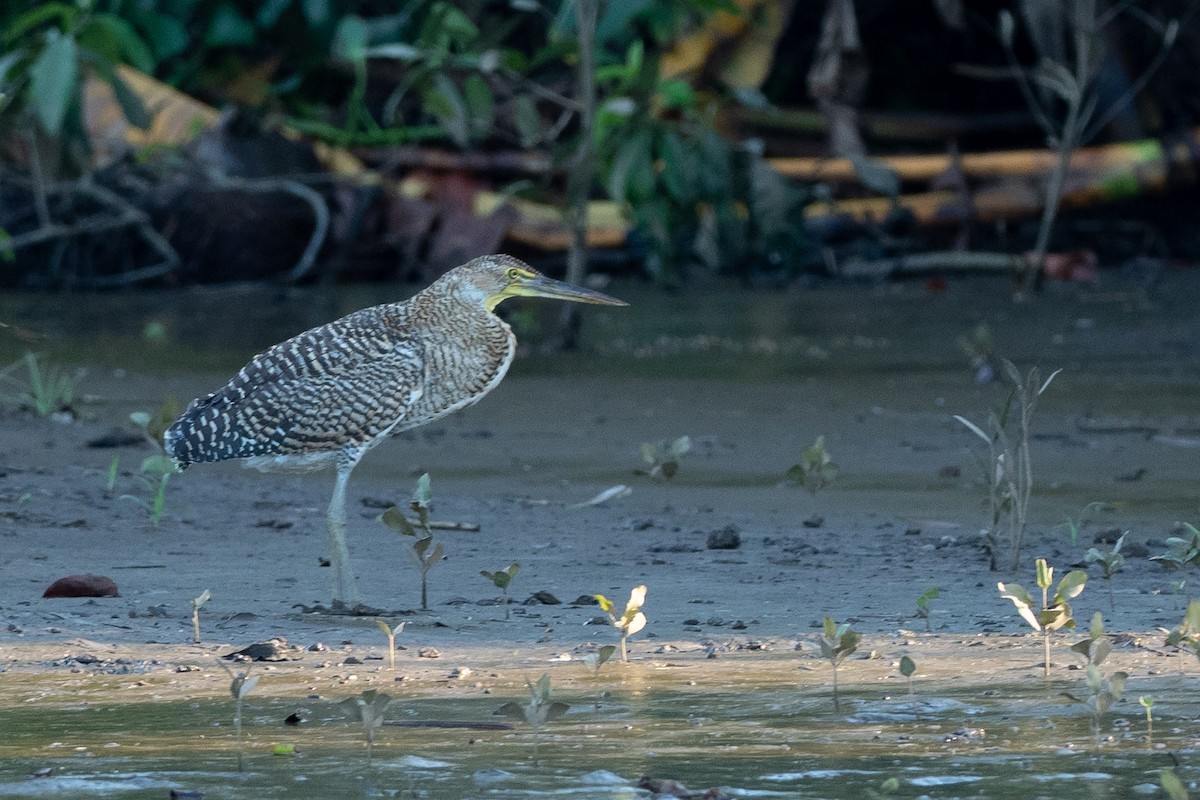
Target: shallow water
758, 738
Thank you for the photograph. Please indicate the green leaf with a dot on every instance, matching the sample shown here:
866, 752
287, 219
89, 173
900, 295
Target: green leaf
269, 12
66, 15
131, 105
907, 666
131, 45
54, 82
481, 106
350, 39
604, 603
1071, 585
394, 518
527, 120
510, 710
1045, 574
1022, 600
423, 494
229, 28
165, 34
829, 628
1191, 617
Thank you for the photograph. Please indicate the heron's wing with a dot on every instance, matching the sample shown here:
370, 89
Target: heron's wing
342, 384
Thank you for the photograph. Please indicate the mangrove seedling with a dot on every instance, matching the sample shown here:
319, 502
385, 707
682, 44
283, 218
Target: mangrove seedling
114, 467
594, 661
538, 711
502, 578
1181, 552
1148, 704
156, 470
425, 553
908, 668
1053, 615
1187, 635
631, 621
837, 642
1109, 561
391, 632
662, 457
931, 593
1008, 469
1102, 694
203, 598
240, 686
369, 707
816, 469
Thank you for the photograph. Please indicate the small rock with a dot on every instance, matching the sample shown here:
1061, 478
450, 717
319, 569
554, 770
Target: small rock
82, 586
429, 652
352, 660
585, 600
912, 531
814, 521
544, 598
317, 647
728, 538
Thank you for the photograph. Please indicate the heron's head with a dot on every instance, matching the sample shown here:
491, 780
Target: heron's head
497, 278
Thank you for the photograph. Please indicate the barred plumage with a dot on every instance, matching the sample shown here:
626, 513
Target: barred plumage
330, 394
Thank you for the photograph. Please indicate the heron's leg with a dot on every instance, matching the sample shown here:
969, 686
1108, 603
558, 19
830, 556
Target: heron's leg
344, 591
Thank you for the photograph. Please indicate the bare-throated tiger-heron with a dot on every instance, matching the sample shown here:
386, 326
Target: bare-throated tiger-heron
327, 396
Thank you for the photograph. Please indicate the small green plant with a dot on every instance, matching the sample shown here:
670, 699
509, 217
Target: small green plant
1110, 562
502, 578
1148, 704
1187, 635
1102, 693
391, 632
908, 668
369, 708
156, 470
540, 709
1181, 552
240, 685
923, 611
198, 601
631, 620
816, 469
1008, 468
45, 389
979, 347
837, 643
594, 661
662, 457
1052, 616
1073, 525
425, 553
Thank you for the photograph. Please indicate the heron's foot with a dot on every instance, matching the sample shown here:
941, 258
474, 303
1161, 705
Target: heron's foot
337, 608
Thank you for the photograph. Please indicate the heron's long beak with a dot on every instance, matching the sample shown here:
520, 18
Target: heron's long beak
541, 286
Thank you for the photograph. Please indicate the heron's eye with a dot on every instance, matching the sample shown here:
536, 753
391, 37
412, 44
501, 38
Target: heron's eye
513, 274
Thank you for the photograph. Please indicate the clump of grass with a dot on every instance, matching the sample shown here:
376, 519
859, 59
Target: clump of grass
1008, 469
816, 468
425, 553
44, 389
1053, 615
501, 578
837, 643
631, 620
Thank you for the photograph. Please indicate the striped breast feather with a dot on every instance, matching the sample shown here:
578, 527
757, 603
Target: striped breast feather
343, 384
